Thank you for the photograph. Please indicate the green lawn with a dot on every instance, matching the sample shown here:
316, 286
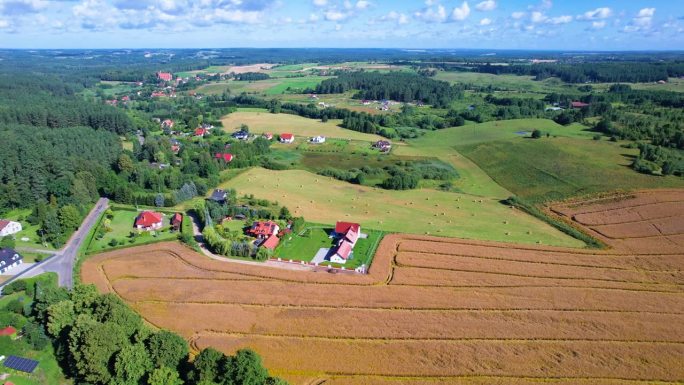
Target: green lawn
298, 83
122, 227
28, 230
314, 237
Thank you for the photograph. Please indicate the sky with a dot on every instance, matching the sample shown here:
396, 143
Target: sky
602, 25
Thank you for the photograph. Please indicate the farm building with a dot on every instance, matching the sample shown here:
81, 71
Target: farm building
270, 242
225, 156
383, 145
8, 227
176, 221
347, 235
218, 196
9, 259
148, 220
318, 139
286, 138
201, 132
268, 135
8, 331
241, 135
167, 123
164, 76
263, 230
578, 105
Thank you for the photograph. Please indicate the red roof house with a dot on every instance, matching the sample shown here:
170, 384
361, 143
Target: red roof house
271, 242
343, 227
148, 220
176, 221
268, 135
263, 230
343, 252
225, 156
578, 105
286, 138
201, 132
8, 331
167, 123
165, 76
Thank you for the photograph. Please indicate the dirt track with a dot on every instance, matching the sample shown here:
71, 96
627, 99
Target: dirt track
438, 310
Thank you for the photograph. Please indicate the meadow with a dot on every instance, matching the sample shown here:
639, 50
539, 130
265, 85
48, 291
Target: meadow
325, 200
302, 128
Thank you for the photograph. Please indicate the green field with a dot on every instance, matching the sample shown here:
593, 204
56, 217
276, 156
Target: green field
558, 168
302, 128
422, 211
121, 226
520, 84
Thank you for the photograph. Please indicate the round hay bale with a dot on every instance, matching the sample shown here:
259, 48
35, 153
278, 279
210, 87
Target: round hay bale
529, 232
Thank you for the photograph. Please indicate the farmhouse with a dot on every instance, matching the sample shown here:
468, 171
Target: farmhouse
8, 227
148, 220
225, 156
241, 135
167, 123
578, 105
347, 235
201, 132
270, 242
164, 76
218, 196
263, 230
176, 221
268, 135
383, 145
9, 259
286, 138
8, 331
318, 139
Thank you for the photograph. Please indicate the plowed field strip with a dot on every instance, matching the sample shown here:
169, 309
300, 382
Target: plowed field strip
635, 214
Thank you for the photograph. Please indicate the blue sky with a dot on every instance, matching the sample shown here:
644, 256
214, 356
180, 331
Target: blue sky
486, 24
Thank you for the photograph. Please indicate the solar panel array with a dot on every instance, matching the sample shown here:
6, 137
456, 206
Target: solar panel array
21, 364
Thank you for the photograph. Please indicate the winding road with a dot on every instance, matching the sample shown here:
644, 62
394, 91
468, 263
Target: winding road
63, 261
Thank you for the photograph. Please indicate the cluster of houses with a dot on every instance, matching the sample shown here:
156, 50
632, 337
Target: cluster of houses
346, 235
151, 221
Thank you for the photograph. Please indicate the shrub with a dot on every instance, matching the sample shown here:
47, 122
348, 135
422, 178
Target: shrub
536, 134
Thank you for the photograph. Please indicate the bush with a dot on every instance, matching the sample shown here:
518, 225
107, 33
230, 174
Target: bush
15, 306
597, 137
536, 134
114, 242
14, 287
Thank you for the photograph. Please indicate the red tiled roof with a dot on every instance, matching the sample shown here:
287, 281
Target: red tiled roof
286, 136
352, 235
4, 223
8, 331
177, 218
343, 227
263, 228
225, 156
200, 132
148, 218
165, 76
344, 250
578, 104
271, 242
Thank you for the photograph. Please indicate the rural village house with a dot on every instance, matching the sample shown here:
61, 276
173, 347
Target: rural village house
9, 259
218, 196
347, 235
225, 156
8, 331
167, 123
286, 138
383, 145
266, 234
201, 132
164, 76
8, 227
148, 220
318, 139
241, 135
578, 105
176, 221
268, 135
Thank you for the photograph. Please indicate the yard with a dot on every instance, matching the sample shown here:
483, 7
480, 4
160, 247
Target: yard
29, 231
305, 245
122, 233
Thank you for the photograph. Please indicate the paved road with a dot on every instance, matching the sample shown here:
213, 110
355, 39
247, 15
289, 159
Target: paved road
63, 261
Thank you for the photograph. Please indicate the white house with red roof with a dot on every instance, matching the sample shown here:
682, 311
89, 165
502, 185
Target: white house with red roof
164, 76
149, 220
167, 123
226, 157
201, 132
8, 227
348, 234
263, 229
286, 138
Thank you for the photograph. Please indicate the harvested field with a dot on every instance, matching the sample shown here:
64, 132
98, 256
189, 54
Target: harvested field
439, 310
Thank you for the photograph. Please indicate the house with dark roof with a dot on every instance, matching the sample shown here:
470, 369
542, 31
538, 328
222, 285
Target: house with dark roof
240, 135
9, 259
218, 196
148, 220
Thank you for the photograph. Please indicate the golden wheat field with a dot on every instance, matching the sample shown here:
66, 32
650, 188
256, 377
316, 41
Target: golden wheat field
440, 310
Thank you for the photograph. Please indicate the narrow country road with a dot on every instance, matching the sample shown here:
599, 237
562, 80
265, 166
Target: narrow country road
63, 261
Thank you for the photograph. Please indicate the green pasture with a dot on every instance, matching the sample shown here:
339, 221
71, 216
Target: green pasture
28, 230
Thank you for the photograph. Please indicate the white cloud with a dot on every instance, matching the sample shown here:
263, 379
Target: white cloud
4, 24
19, 7
462, 12
362, 4
313, 18
538, 17
518, 15
333, 15
644, 17
487, 5
338, 27
598, 24
485, 21
431, 14
560, 20
399, 18
596, 14
320, 3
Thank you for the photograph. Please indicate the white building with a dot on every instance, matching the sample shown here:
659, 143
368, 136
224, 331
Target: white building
9, 227
318, 139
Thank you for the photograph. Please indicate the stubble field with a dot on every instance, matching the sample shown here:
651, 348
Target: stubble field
438, 310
